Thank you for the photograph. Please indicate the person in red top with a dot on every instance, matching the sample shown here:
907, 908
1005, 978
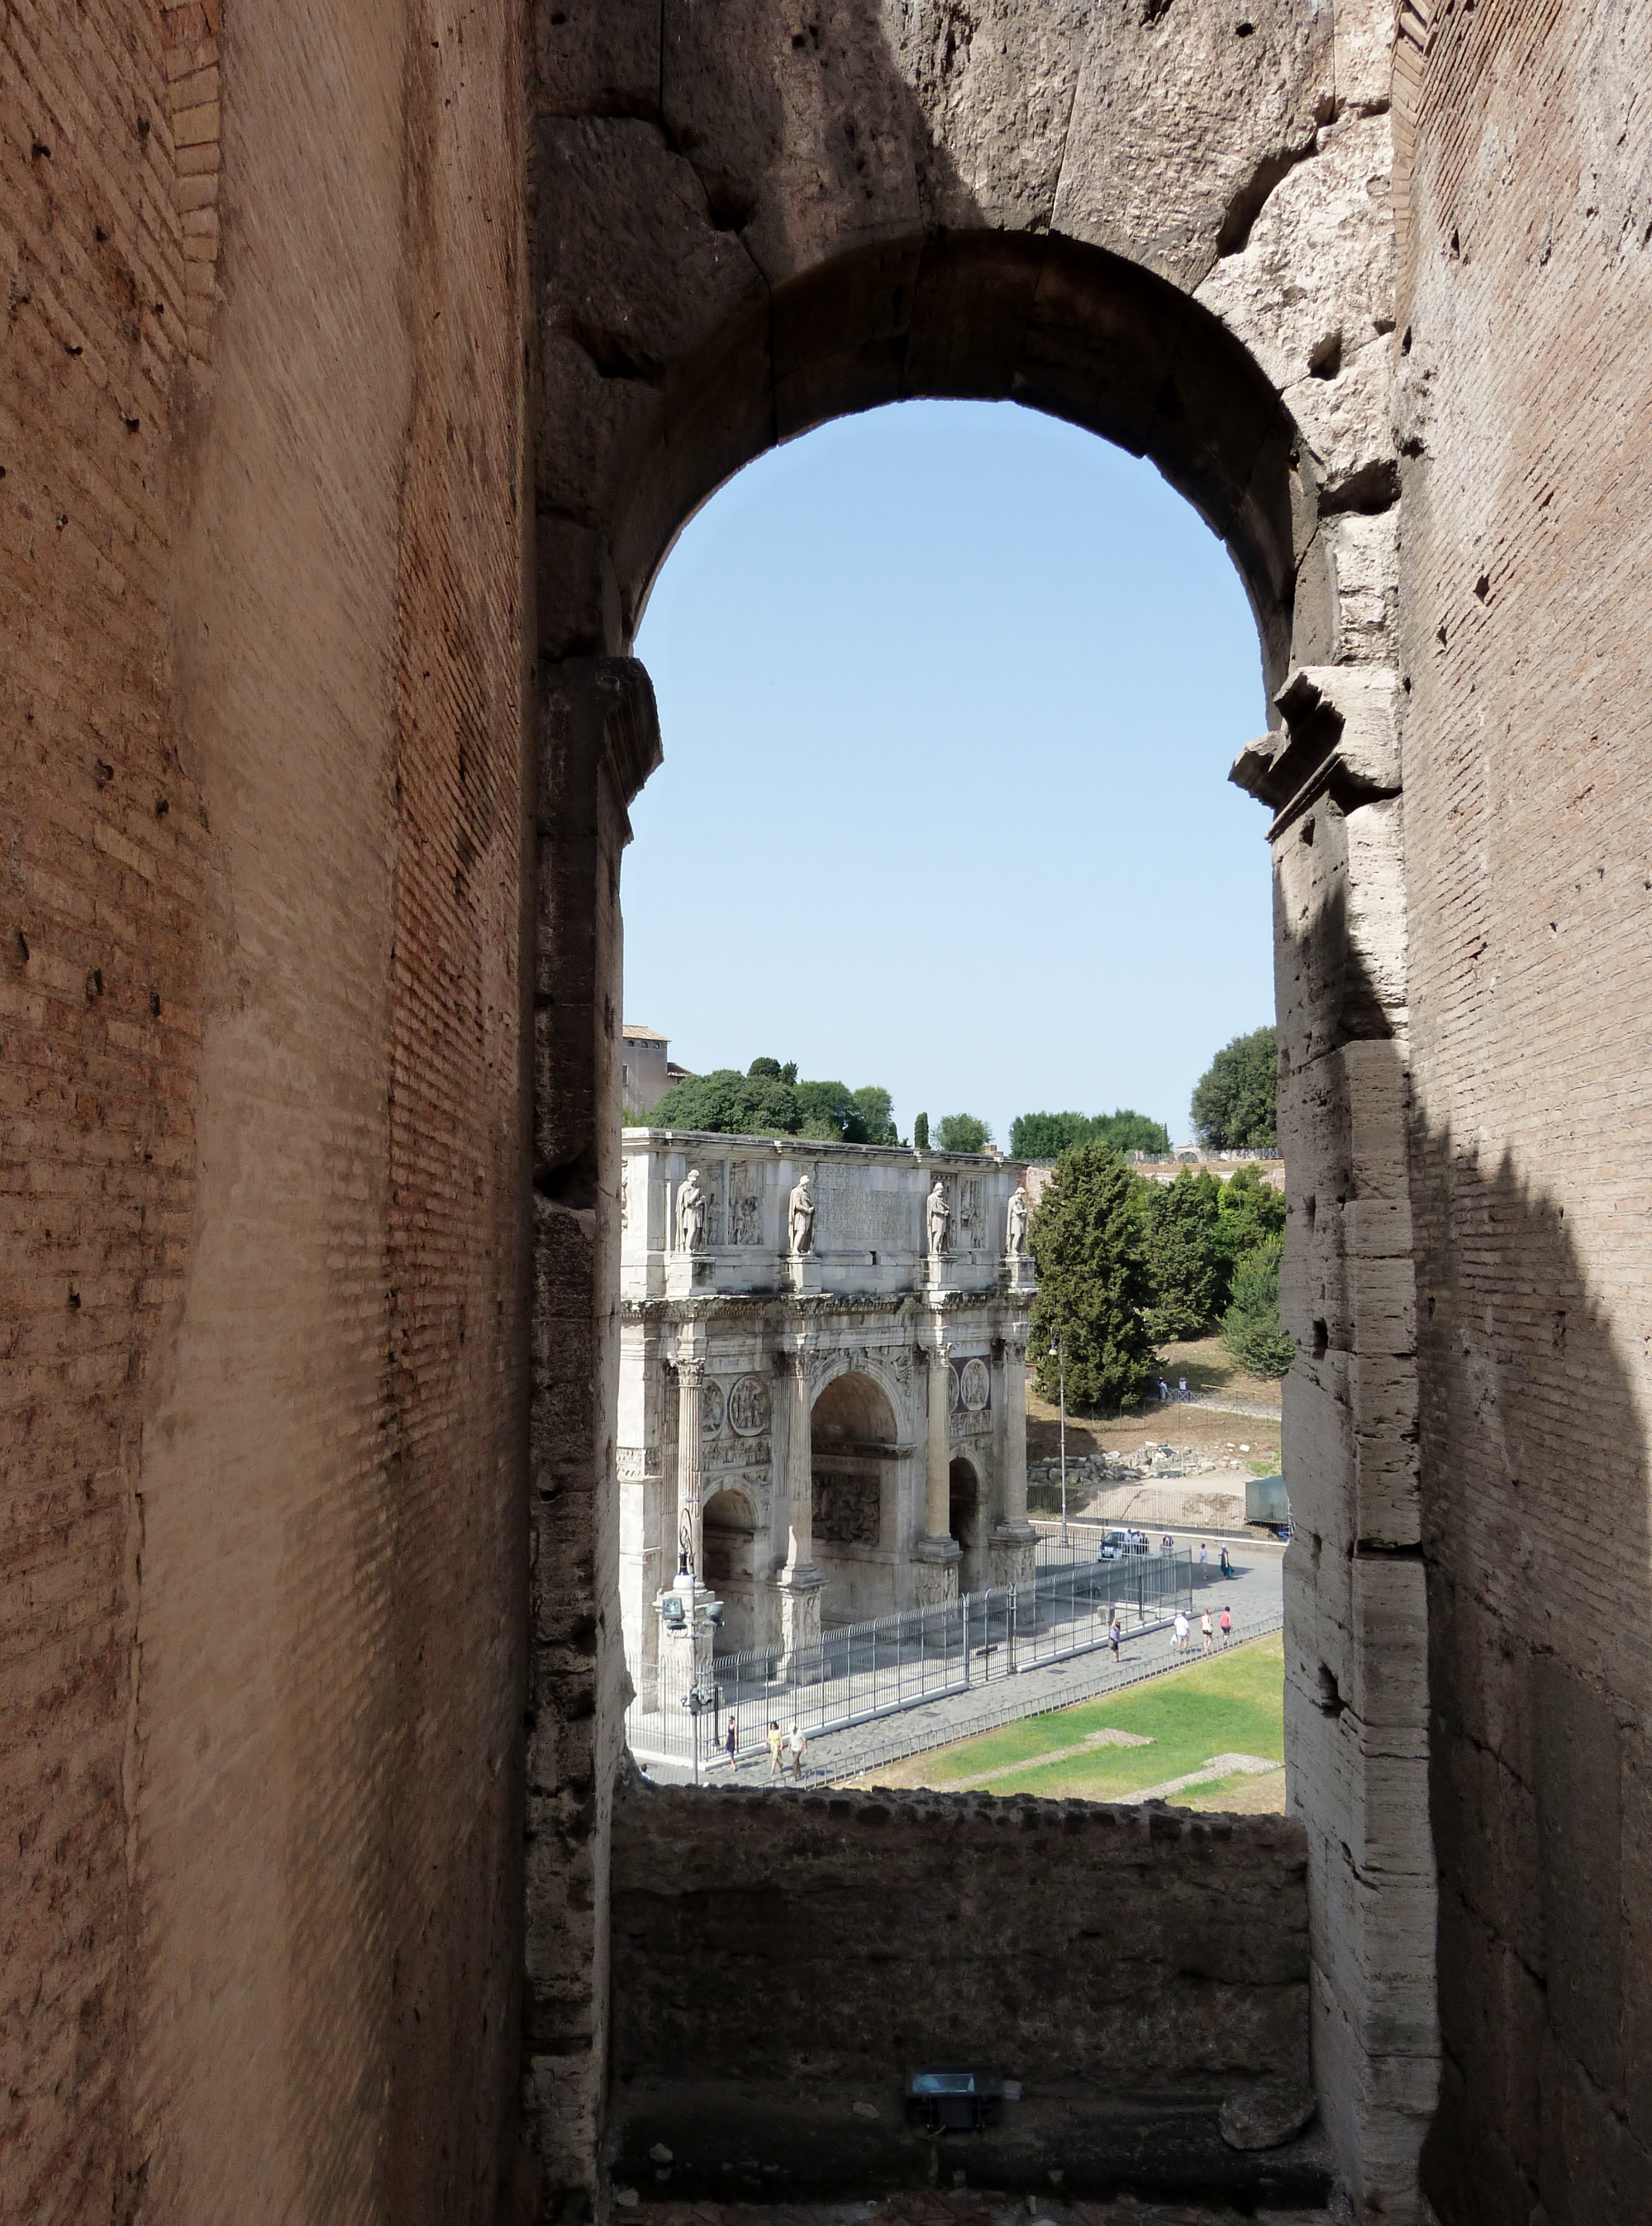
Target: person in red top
1227, 1626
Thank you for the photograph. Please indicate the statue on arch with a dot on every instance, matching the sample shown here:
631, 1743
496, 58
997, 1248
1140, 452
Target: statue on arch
937, 1215
800, 1218
1015, 1228
691, 1215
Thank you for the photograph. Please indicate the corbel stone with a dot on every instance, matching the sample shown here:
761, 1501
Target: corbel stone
1340, 731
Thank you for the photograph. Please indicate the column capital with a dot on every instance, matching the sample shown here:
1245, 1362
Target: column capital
691, 1370
794, 1360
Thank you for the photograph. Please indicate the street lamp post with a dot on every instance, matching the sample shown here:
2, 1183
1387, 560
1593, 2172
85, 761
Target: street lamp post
1061, 1380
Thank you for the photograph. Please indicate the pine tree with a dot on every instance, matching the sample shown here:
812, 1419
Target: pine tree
1183, 1258
1094, 1285
1251, 1330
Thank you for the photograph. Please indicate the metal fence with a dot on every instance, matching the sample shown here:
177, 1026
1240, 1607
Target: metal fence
865, 1671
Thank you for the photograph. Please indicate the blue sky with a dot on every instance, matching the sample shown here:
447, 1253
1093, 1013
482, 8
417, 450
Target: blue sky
949, 693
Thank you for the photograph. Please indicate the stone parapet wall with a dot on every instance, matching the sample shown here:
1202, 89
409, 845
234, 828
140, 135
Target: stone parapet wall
1147, 1962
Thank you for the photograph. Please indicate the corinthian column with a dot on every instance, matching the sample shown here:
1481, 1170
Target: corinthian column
690, 1386
1014, 1539
799, 1581
936, 1572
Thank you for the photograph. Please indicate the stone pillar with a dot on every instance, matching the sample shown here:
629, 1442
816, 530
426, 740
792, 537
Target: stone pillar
935, 1575
690, 1387
598, 739
1014, 1539
799, 1581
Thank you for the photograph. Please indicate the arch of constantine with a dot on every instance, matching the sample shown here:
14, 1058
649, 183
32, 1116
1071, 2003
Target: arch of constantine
359, 368
821, 1409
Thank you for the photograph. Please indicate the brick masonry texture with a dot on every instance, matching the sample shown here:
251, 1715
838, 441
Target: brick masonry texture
266, 1146
1521, 410
810, 1949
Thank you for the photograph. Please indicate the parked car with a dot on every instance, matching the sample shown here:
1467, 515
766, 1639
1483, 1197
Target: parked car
1119, 1545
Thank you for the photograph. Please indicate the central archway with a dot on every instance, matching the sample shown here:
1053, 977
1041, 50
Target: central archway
854, 1445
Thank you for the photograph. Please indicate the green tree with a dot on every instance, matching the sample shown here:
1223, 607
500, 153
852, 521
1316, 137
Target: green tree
1181, 1222
1251, 1329
1234, 1099
877, 1110
726, 1102
1095, 1288
921, 1133
768, 1100
1249, 1211
1047, 1135
963, 1132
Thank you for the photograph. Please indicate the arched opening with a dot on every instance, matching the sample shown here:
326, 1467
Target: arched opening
730, 1530
852, 1492
684, 352
963, 1521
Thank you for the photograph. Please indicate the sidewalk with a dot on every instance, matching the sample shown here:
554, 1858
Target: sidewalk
1256, 1599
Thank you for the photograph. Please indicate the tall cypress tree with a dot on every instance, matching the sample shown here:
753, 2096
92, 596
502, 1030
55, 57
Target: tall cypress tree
1094, 1283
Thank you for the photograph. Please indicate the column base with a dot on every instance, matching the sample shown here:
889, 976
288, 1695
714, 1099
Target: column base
935, 1572
801, 1272
687, 1673
1014, 1553
800, 1589
1019, 1273
938, 1275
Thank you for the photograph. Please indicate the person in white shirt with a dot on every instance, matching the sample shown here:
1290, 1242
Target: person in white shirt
1181, 1633
796, 1748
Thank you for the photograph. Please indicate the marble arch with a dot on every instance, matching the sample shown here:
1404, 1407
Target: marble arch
759, 227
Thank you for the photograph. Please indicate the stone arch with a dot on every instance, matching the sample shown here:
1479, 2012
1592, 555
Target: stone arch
855, 1434
1172, 227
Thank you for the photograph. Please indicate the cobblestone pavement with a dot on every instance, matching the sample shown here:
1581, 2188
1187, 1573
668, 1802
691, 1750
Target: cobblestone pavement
1256, 1596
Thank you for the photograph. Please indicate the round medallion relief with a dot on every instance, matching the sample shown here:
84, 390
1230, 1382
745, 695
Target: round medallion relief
976, 1385
711, 1410
748, 1407
951, 1388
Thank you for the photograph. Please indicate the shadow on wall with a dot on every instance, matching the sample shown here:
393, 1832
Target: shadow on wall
1536, 1542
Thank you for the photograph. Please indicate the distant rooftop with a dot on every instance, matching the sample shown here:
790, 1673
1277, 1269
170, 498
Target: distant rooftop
634, 1032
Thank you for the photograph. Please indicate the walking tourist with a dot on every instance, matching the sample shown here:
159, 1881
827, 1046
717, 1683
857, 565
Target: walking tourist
1204, 1554
799, 1743
1181, 1387
775, 1744
1204, 1629
1226, 1566
1227, 1626
731, 1741
1168, 1544
1181, 1633
1114, 1635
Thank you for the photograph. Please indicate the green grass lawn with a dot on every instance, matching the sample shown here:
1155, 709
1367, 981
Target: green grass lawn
1232, 1704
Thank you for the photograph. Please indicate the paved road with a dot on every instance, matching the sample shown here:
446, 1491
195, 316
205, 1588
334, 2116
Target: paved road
1256, 1596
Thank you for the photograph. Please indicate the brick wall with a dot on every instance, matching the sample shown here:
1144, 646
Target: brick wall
100, 1018
1524, 400
781, 1960
262, 433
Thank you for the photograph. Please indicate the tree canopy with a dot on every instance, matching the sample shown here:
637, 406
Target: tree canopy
769, 1100
1095, 1287
1234, 1099
1047, 1135
963, 1132
921, 1133
1250, 1329
1180, 1221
